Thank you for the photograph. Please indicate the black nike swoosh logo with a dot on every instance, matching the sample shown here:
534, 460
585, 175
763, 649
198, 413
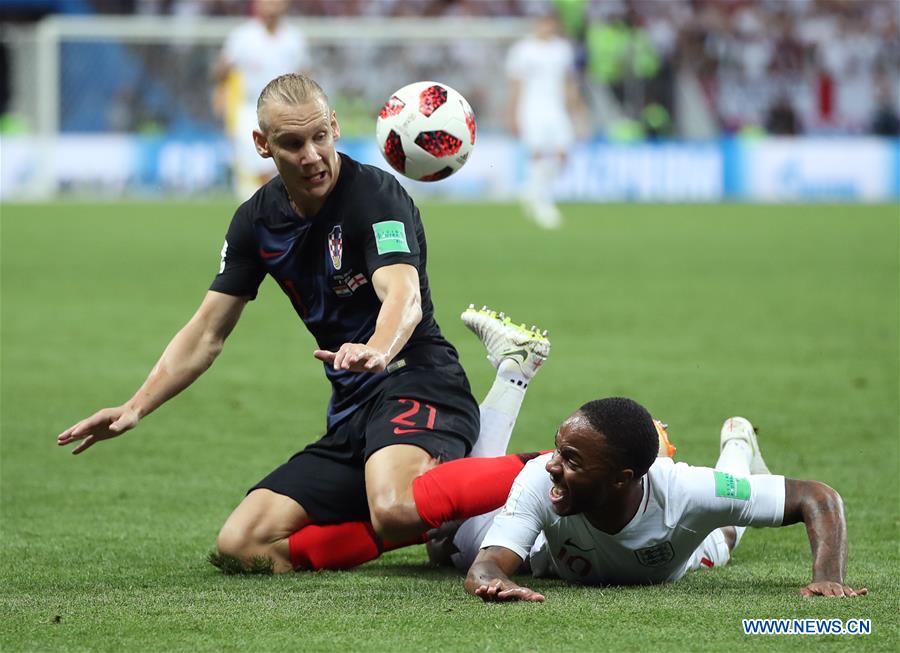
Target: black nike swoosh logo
571, 543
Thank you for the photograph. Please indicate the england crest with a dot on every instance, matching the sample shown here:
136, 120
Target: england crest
655, 556
335, 246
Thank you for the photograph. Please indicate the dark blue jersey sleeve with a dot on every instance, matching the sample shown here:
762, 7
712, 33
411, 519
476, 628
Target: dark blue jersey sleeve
394, 230
241, 270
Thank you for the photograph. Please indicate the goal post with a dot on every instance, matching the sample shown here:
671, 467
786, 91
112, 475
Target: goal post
370, 56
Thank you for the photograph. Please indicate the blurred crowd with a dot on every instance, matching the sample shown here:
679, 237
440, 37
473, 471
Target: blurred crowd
392, 8
788, 66
682, 68
779, 66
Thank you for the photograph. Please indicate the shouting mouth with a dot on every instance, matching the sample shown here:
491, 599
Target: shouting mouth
318, 178
558, 494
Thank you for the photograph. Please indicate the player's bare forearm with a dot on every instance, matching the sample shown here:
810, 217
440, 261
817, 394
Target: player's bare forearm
397, 286
400, 313
489, 577
188, 355
821, 509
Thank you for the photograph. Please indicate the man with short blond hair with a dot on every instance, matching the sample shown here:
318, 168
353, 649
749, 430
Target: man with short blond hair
346, 245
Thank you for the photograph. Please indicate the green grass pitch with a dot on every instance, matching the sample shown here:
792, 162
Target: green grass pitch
787, 315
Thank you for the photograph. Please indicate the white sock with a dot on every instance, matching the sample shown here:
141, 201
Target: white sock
499, 411
739, 533
735, 458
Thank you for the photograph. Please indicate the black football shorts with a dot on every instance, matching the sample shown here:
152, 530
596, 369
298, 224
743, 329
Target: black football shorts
431, 408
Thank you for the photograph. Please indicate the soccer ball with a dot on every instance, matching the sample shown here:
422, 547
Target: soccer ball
426, 131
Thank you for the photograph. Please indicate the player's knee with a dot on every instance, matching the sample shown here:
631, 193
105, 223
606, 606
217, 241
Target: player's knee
730, 535
232, 541
394, 521
241, 542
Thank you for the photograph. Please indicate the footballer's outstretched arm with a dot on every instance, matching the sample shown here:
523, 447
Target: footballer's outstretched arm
822, 510
187, 356
489, 577
397, 286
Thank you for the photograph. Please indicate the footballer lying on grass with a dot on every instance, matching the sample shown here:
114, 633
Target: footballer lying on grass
604, 509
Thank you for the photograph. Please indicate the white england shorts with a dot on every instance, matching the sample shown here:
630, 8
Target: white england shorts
545, 132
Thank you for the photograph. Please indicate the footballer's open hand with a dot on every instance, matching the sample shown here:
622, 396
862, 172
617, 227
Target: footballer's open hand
355, 357
102, 425
831, 588
505, 590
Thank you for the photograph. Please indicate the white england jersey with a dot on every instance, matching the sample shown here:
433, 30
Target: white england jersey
260, 56
542, 68
680, 507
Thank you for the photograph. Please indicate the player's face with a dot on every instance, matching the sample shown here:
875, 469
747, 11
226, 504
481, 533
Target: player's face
268, 10
581, 468
546, 27
300, 139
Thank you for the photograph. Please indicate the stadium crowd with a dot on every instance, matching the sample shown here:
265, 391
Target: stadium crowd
684, 68
780, 66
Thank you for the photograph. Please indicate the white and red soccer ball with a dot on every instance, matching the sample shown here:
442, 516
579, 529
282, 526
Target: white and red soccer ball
426, 131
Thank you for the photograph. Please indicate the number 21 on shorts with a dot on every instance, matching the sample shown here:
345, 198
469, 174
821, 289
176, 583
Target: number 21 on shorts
410, 420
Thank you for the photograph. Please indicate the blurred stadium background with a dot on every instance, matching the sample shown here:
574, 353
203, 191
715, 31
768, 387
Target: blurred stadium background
691, 100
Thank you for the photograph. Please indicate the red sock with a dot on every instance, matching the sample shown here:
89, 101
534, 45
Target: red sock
466, 487
339, 546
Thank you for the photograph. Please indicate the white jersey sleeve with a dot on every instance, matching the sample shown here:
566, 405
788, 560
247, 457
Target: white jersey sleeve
705, 499
516, 63
523, 517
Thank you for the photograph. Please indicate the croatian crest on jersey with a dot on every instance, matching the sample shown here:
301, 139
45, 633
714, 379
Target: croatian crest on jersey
336, 246
655, 556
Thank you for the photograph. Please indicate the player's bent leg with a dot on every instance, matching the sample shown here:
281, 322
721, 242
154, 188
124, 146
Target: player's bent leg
259, 528
390, 472
739, 448
714, 550
458, 489
731, 537
517, 353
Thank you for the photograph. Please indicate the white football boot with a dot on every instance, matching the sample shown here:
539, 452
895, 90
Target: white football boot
739, 428
505, 340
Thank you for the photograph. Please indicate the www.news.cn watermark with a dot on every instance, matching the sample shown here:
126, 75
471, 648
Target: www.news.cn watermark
806, 626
